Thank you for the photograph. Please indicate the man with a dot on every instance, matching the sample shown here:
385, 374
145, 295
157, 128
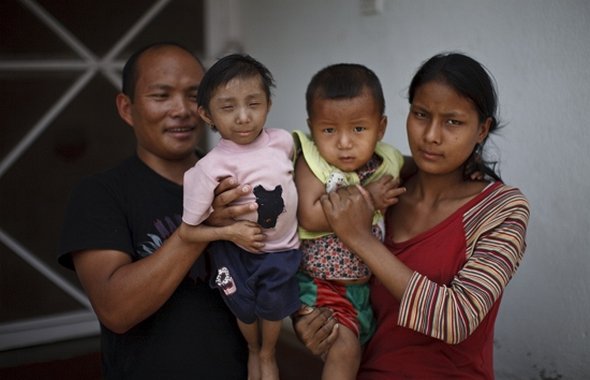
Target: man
144, 276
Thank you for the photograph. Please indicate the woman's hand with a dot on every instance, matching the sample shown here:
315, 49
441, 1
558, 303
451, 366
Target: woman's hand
349, 211
316, 328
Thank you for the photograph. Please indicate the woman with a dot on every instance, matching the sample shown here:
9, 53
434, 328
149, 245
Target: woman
452, 243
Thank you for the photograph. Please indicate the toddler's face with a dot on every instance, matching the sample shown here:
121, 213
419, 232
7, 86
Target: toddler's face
347, 130
238, 109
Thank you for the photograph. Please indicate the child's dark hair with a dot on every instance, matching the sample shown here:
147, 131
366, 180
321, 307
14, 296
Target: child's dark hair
344, 81
230, 67
473, 81
130, 69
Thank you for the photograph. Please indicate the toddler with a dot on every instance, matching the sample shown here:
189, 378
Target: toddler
345, 107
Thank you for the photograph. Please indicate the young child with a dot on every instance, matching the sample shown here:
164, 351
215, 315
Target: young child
345, 107
258, 285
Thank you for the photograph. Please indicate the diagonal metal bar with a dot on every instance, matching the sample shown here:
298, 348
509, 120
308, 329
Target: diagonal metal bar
106, 65
112, 77
44, 269
135, 29
60, 30
45, 120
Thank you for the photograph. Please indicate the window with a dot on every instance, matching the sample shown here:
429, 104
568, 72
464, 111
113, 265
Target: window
60, 65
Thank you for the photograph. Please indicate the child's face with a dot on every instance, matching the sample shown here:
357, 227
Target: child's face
238, 109
347, 130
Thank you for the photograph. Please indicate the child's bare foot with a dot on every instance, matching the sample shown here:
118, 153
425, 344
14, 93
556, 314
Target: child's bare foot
269, 367
254, 372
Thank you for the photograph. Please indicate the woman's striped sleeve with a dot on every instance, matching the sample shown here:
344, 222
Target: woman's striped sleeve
495, 234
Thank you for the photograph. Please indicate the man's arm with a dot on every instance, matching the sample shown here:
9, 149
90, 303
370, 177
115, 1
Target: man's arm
124, 293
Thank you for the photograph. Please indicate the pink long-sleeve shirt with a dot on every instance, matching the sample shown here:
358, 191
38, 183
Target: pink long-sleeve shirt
266, 162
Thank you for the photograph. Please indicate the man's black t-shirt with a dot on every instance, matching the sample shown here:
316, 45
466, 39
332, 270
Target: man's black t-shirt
132, 209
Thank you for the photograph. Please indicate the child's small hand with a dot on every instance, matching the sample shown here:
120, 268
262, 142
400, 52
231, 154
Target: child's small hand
247, 235
385, 191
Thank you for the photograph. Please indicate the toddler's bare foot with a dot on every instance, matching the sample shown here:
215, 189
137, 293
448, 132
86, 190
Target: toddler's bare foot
269, 367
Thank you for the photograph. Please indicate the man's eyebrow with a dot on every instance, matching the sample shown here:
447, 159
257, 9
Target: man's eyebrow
159, 86
166, 87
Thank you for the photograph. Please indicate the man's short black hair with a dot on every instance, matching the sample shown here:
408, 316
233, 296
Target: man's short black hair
130, 68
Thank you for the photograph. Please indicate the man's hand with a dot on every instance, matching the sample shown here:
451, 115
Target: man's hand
316, 328
226, 192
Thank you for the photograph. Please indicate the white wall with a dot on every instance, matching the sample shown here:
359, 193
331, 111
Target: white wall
539, 53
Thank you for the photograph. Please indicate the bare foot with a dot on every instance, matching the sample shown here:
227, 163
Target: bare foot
254, 372
269, 367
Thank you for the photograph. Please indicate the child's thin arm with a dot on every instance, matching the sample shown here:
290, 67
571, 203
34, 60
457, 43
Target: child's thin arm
309, 189
246, 234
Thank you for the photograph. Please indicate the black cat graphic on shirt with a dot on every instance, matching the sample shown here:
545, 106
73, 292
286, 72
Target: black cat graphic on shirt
270, 205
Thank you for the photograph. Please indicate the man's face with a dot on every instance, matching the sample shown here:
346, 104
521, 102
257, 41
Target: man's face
164, 113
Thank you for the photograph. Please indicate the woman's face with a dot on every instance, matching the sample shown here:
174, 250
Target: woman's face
443, 128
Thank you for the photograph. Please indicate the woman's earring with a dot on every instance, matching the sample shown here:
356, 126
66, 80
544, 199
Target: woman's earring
477, 152
473, 164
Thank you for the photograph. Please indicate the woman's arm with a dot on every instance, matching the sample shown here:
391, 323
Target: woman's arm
494, 253
453, 312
